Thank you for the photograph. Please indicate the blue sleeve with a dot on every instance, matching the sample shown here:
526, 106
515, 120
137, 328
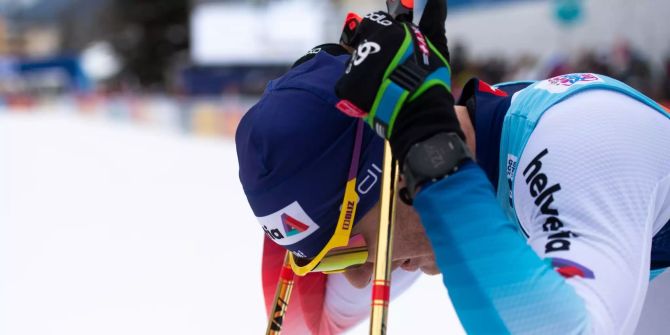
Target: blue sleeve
496, 282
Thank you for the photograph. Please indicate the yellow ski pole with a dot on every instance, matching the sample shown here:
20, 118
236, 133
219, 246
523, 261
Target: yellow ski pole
381, 285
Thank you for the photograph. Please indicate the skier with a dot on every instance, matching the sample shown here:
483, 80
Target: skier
294, 151
579, 220
579, 164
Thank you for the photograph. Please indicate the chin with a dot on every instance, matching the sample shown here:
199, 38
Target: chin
430, 270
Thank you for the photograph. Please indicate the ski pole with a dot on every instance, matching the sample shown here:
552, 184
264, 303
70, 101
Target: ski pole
282, 296
401, 10
381, 285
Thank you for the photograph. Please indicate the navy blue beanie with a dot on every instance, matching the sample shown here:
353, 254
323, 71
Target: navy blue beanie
294, 149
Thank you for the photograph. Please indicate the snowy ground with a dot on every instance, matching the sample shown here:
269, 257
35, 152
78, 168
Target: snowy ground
109, 228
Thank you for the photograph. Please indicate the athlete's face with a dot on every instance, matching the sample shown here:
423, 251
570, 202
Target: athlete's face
411, 248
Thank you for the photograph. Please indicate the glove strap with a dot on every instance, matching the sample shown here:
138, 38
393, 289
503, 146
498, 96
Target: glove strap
408, 80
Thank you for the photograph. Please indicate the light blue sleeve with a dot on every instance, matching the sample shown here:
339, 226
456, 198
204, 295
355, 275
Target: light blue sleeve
497, 283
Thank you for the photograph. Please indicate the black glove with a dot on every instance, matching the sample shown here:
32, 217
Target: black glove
401, 85
432, 24
351, 24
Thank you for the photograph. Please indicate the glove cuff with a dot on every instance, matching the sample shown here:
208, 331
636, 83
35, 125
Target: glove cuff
428, 115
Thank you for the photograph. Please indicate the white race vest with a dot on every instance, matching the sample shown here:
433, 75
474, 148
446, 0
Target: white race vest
528, 106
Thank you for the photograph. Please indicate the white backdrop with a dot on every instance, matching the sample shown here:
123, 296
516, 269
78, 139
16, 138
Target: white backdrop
109, 228
242, 33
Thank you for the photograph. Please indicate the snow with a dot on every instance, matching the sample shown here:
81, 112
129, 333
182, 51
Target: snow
111, 228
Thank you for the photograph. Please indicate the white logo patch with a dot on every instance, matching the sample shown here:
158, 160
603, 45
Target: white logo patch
510, 169
370, 180
379, 18
289, 225
364, 50
563, 83
511, 165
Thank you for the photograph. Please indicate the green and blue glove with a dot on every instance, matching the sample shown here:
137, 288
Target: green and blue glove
400, 83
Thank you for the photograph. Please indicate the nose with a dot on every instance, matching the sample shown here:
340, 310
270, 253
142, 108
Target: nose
426, 264
410, 265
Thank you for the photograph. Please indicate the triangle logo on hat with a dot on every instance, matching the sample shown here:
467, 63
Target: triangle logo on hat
292, 226
288, 226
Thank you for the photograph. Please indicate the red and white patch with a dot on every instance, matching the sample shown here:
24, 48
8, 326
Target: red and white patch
485, 87
422, 44
349, 108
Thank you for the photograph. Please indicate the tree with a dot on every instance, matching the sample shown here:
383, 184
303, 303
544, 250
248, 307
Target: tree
149, 36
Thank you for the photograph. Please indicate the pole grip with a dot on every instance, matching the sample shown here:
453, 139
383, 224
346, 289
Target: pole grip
400, 9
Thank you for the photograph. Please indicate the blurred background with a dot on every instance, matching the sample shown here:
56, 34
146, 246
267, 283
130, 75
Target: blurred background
193, 62
120, 208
